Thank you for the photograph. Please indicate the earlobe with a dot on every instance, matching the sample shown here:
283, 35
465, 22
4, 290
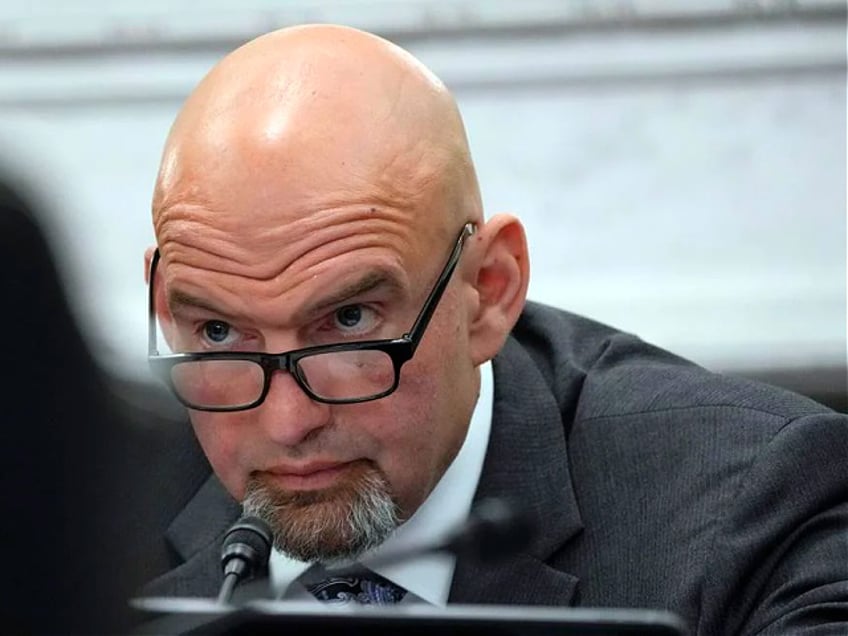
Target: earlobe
502, 278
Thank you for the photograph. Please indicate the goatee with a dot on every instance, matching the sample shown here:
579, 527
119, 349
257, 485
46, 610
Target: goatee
336, 523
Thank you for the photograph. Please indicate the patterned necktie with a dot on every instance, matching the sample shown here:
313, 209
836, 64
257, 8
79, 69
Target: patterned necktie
365, 588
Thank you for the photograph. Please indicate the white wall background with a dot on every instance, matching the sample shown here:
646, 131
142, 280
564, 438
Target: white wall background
680, 166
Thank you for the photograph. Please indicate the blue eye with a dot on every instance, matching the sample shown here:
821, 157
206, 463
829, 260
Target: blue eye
349, 315
216, 331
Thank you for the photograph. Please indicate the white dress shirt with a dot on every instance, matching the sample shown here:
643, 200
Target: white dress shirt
427, 579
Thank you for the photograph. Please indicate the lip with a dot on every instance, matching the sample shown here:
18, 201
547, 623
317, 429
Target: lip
303, 470
311, 476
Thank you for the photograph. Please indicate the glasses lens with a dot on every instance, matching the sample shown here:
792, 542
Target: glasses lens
348, 375
218, 383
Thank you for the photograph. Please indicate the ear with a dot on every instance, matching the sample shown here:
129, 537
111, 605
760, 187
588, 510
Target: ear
162, 313
502, 275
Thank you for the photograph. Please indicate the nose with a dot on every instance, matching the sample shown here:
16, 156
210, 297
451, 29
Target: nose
288, 416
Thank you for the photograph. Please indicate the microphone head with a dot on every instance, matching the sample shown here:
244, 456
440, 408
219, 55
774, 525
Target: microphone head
495, 528
247, 541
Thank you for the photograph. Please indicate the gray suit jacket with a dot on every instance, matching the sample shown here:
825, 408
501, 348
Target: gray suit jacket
653, 482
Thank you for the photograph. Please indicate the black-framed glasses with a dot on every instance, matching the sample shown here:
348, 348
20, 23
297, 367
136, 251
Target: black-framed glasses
344, 373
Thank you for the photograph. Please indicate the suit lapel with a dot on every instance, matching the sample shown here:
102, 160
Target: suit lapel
526, 463
195, 535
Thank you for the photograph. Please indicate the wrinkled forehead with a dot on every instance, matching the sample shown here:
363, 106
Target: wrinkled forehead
267, 198
285, 220
273, 273
272, 199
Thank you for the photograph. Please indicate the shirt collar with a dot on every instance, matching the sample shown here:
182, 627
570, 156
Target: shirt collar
427, 577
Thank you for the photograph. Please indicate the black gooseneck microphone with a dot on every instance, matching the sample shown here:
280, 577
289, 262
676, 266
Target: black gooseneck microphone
495, 528
244, 553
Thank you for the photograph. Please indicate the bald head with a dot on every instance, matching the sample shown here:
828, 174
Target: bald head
339, 111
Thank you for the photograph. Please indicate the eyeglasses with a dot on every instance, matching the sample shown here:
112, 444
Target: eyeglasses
344, 373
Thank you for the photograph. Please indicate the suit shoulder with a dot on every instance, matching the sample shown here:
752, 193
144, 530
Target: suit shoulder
610, 373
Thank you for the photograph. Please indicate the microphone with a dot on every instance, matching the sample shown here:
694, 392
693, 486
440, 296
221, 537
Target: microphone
494, 529
244, 553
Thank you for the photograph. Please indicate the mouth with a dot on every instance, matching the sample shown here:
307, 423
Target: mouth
312, 476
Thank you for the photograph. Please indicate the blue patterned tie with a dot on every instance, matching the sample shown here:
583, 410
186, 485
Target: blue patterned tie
365, 588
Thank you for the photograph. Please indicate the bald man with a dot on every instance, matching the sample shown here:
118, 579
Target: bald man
352, 341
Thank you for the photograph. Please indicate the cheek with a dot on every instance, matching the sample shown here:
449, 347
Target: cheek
447, 390
426, 423
402, 425
221, 446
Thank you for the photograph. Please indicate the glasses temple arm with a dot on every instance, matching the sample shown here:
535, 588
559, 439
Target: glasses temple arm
152, 349
435, 295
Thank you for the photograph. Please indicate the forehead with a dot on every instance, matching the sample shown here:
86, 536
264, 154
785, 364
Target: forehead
292, 264
352, 255
256, 214
270, 213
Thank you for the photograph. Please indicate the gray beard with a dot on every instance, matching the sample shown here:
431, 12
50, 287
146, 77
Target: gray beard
336, 524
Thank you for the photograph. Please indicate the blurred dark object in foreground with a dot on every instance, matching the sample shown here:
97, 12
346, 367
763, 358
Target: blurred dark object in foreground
75, 444
55, 432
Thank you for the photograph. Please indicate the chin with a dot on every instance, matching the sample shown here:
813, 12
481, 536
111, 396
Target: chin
339, 522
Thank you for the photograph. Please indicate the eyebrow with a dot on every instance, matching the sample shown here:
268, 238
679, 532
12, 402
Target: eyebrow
368, 282
178, 298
